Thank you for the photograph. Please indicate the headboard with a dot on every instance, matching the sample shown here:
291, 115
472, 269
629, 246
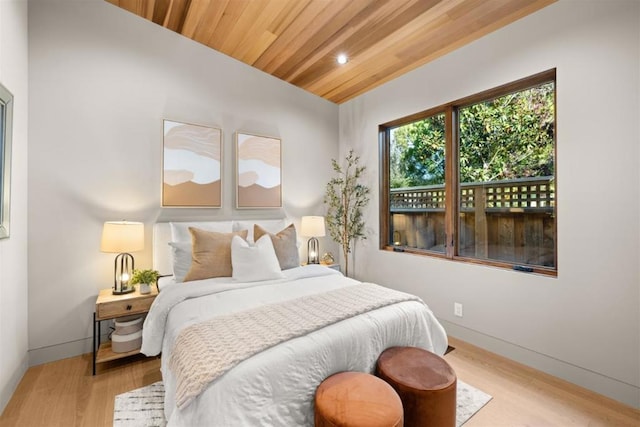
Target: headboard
161, 248
162, 235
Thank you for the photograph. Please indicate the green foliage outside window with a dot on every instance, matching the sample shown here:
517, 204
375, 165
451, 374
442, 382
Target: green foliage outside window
417, 153
509, 137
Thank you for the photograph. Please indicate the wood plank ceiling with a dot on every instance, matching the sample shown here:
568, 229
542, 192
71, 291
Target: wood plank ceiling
298, 41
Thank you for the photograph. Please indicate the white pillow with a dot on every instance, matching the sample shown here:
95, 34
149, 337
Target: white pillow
180, 230
253, 263
270, 225
180, 259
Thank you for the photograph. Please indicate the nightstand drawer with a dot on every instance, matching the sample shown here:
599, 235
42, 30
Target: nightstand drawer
123, 307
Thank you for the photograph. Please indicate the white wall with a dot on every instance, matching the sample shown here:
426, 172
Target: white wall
584, 325
13, 251
101, 81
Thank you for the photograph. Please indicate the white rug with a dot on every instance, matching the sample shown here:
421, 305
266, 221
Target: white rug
143, 407
469, 400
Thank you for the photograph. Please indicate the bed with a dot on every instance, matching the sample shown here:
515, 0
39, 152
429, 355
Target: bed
274, 383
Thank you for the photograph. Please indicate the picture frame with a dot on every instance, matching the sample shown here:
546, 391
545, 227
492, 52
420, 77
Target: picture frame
191, 165
6, 132
258, 171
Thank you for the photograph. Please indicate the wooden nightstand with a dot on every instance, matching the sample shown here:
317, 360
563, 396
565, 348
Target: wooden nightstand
109, 306
335, 266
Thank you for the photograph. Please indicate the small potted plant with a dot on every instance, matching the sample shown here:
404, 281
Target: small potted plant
144, 278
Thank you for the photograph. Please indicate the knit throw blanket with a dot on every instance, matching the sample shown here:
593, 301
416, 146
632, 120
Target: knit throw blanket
205, 351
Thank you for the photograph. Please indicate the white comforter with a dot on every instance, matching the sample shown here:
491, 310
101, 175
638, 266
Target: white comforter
276, 387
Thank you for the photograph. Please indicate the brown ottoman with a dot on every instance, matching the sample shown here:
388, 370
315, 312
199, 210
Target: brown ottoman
425, 382
356, 399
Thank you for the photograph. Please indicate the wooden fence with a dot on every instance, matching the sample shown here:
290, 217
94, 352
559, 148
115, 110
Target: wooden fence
509, 220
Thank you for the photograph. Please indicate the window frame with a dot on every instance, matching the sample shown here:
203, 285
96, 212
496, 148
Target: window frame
452, 177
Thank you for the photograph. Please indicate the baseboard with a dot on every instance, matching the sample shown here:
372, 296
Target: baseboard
51, 353
11, 385
598, 383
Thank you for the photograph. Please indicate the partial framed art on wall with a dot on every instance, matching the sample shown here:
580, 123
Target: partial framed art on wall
6, 131
258, 171
191, 165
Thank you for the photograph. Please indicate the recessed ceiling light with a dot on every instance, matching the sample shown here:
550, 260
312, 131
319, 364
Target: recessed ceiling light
342, 59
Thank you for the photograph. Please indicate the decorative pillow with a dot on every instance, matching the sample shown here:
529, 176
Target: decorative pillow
211, 253
180, 259
180, 230
284, 244
253, 263
271, 225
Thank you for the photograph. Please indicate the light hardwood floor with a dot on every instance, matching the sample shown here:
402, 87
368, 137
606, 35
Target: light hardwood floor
526, 397
64, 393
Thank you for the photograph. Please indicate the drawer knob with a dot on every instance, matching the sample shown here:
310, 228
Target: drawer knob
129, 307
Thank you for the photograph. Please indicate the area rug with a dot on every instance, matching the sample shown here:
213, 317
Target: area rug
469, 401
143, 407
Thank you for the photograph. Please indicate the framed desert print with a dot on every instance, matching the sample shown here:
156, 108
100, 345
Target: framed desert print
258, 171
191, 166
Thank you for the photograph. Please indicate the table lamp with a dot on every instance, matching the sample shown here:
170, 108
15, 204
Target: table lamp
312, 226
122, 237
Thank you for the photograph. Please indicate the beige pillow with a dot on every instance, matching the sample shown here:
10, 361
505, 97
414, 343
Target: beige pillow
284, 243
211, 254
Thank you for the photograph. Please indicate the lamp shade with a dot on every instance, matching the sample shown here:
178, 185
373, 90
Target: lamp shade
122, 236
312, 226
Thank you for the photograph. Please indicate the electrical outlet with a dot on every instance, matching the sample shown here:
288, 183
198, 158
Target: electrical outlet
457, 309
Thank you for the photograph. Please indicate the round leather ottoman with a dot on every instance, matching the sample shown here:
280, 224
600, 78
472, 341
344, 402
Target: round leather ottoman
425, 382
356, 399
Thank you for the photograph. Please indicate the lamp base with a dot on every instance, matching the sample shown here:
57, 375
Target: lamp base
122, 271
312, 251
124, 291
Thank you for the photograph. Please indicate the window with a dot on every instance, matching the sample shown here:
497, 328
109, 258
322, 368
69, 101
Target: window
417, 173
474, 180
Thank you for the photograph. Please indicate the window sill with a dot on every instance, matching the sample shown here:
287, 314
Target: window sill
538, 270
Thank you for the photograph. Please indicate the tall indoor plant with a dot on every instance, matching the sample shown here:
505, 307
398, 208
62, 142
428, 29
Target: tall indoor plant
346, 197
